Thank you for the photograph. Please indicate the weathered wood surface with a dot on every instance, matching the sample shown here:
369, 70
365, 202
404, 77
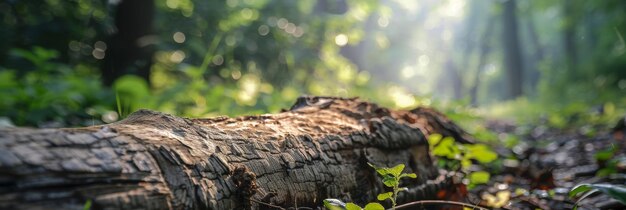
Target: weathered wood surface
318, 149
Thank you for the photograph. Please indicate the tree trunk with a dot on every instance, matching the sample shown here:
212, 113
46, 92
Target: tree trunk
538, 53
512, 51
131, 48
482, 59
569, 36
318, 149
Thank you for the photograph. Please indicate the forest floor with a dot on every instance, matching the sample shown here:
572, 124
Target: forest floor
541, 169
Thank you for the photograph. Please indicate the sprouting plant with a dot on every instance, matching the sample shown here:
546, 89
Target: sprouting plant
614, 191
391, 178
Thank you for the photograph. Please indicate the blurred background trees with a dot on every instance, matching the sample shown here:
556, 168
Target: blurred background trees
84, 62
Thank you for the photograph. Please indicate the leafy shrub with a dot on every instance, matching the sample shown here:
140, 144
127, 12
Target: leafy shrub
52, 94
459, 157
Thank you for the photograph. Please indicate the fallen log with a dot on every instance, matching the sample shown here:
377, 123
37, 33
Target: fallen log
317, 149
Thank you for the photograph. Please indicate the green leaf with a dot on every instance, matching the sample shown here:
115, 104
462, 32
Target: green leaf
87, 205
374, 206
579, 189
446, 148
466, 163
119, 104
131, 92
604, 155
479, 177
390, 181
434, 139
352, 206
615, 191
410, 175
384, 196
481, 152
587, 194
397, 170
379, 170
132, 85
606, 171
334, 204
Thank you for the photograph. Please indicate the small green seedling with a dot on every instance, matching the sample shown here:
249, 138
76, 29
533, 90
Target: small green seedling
391, 178
616, 192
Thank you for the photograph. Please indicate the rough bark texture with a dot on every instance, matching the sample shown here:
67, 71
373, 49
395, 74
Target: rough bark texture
318, 149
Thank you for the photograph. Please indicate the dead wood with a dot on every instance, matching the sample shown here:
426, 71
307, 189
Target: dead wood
318, 149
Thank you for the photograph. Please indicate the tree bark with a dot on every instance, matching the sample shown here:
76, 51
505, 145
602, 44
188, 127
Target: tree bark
318, 149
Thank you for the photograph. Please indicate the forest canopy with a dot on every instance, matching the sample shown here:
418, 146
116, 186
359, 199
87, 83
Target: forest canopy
85, 62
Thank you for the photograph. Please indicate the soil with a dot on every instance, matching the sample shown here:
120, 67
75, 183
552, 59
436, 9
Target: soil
540, 170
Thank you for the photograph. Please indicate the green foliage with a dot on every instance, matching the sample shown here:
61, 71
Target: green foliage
478, 177
51, 93
610, 161
374, 206
456, 156
585, 116
131, 93
384, 196
480, 152
352, 206
390, 178
605, 155
247, 57
236, 57
87, 205
334, 204
616, 192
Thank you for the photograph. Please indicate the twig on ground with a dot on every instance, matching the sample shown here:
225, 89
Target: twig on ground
440, 202
267, 204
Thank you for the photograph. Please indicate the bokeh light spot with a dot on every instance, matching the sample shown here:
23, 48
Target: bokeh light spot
291, 28
236, 74
218, 60
264, 30
179, 37
246, 13
100, 45
282, 23
98, 53
74, 46
177, 56
383, 22
341, 40
299, 32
